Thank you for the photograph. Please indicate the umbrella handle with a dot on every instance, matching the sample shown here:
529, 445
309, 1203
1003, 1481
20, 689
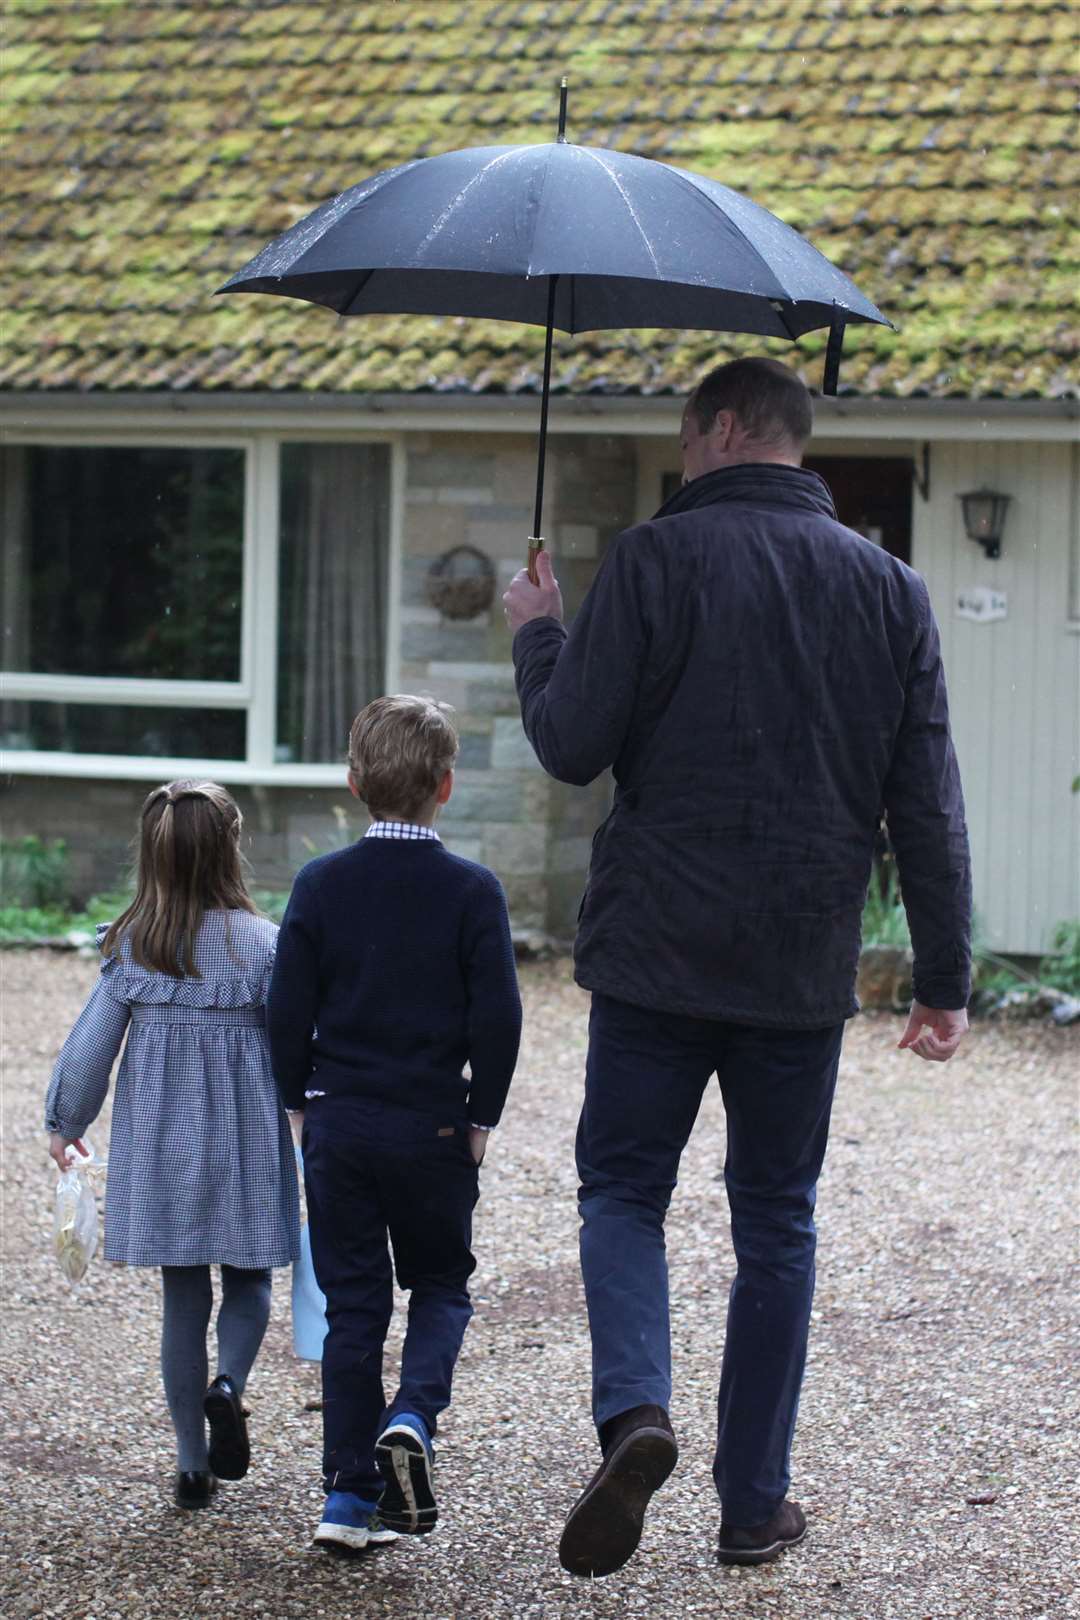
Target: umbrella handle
536, 545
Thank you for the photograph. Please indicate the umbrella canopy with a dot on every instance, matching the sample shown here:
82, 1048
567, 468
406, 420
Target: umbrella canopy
633, 242
559, 235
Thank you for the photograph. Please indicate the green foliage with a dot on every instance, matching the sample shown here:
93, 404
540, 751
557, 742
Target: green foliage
271, 902
21, 925
992, 976
995, 977
27, 925
1058, 970
884, 921
100, 908
1060, 967
33, 873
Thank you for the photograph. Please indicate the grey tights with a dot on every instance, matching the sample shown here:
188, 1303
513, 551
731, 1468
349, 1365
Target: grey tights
242, 1317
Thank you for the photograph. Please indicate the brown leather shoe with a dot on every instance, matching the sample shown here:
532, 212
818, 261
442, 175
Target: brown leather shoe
604, 1526
765, 1541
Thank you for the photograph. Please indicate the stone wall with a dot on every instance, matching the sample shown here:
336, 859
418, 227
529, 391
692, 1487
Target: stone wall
283, 826
467, 490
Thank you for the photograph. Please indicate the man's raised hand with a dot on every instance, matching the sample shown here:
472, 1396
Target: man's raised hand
523, 601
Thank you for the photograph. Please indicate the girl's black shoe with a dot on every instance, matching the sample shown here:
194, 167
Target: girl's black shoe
194, 1489
230, 1453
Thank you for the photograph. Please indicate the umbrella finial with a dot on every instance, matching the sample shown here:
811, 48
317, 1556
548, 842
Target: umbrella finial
562, 110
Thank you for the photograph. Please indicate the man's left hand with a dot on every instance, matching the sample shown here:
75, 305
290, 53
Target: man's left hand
524, 601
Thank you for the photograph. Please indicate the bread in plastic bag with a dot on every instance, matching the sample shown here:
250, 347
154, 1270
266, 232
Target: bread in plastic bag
75, 1222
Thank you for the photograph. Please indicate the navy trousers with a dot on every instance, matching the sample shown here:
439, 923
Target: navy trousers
645, 1079
373, 1171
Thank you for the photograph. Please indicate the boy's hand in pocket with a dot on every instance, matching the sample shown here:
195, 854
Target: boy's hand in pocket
478, 1141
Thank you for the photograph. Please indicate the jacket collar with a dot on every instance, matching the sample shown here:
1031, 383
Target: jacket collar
754, 483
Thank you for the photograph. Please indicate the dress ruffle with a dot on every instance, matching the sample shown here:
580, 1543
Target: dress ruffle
127, 982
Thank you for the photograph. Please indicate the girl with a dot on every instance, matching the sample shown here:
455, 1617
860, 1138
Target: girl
201, 1167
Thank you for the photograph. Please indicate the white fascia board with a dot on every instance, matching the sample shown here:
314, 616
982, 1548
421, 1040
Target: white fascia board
143, 768
375, 415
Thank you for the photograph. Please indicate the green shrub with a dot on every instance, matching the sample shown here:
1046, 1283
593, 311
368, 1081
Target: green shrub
884, 921
22, 924
34, 873
100, 908
271, 902
1060, 967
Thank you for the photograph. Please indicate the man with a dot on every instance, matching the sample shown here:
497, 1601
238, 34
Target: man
764, 682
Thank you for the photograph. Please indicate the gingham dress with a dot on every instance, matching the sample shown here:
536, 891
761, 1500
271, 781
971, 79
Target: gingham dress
201, 1168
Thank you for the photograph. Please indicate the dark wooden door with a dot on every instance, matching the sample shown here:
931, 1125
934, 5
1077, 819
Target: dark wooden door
872, 495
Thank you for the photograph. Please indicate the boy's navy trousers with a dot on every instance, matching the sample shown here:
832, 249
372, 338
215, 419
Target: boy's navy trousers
646, 1075
373, 1170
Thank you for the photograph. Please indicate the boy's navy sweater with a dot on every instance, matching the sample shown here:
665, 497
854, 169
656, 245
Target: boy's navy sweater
394, 969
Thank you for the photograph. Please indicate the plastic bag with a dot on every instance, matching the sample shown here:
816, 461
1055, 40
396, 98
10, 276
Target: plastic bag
308, 1300
308, 1305
75, 1223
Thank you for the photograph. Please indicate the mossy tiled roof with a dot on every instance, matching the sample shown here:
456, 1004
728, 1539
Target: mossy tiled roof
929, 148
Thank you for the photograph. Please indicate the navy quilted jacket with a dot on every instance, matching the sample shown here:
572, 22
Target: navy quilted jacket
764, 683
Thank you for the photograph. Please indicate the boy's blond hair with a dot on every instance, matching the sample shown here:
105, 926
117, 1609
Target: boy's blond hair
400, 749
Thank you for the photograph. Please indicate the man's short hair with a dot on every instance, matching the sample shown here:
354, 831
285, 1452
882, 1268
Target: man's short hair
400, 748
771, 404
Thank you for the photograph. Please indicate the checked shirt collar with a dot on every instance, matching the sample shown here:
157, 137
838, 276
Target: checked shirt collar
401, 829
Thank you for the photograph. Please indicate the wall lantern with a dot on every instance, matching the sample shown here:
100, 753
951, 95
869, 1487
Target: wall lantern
984, 518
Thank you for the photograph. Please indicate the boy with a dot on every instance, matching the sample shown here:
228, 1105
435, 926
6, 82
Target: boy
394, 969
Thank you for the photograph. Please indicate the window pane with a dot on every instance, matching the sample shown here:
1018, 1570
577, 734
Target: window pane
122, 561
335, 527
92, 728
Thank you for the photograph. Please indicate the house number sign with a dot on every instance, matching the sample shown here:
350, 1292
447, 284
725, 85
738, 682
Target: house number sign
982, 604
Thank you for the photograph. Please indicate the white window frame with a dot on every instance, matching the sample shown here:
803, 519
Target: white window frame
255, 691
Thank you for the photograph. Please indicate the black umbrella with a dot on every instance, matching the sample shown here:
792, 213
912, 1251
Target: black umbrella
575, 237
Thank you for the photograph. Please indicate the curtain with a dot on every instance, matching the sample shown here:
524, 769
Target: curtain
14, 586
333, 598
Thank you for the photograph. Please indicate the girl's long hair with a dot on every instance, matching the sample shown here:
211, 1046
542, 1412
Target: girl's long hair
189, 863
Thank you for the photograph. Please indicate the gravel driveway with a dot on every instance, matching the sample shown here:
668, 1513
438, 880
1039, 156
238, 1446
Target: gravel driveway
938, 1439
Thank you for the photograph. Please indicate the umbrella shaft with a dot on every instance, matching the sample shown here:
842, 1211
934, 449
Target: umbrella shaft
542, 453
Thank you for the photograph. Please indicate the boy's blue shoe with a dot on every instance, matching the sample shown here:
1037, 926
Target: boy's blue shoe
350, 1525
403, 1456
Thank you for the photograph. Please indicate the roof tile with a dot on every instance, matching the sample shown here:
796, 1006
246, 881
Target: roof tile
928, 146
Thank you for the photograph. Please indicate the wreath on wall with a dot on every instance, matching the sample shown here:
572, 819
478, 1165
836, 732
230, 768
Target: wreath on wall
461, 583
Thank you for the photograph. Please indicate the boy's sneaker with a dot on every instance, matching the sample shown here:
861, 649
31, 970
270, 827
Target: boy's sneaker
350, 1525
403, 1456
